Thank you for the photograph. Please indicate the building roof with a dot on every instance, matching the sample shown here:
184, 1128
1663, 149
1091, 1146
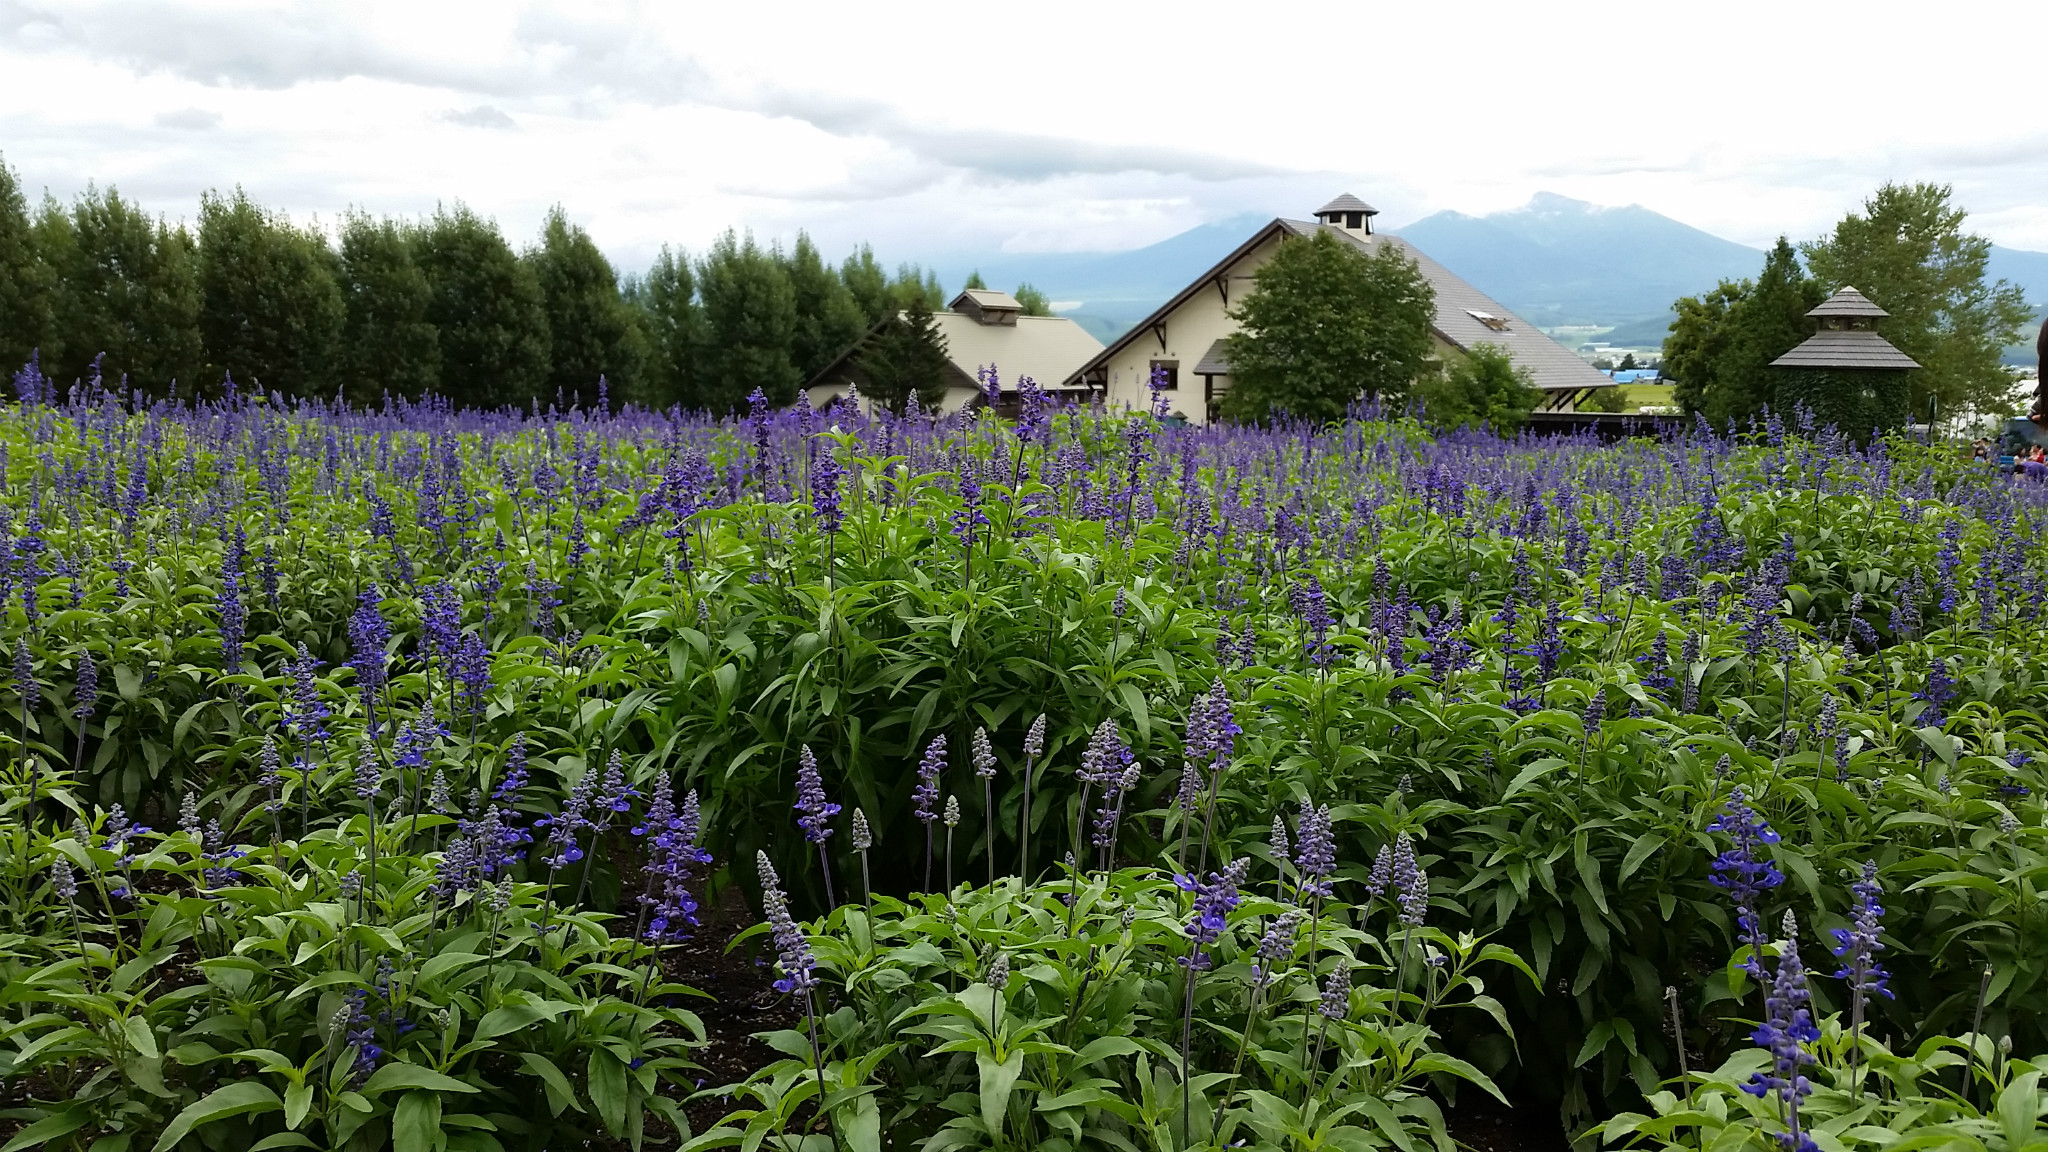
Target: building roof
1848, 302
1833, 349
1045, 348
1348, 203
1552, 367
988, 298
1214, 362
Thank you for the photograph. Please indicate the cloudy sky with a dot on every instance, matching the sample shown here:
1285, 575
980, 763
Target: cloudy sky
934, 130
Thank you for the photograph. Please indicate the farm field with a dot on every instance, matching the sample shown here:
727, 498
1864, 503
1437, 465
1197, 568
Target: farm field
376, 778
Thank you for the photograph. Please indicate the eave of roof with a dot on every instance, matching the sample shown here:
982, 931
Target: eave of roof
1845, 350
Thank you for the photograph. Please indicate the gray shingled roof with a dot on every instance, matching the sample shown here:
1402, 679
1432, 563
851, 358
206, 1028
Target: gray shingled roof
1348, 203
1214, 362
1551, 365
1845, 350
1848, 302
988, 298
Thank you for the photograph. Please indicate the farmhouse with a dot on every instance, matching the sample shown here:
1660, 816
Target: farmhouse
1183, 340
982, 330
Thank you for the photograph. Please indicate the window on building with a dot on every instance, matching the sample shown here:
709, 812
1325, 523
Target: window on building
1167, 372
1489, 319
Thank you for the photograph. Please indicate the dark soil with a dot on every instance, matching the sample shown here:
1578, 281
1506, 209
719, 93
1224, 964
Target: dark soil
1482, 1124
740, 1000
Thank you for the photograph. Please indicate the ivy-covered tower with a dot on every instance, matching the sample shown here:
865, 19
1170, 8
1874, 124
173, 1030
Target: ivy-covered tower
1847, 374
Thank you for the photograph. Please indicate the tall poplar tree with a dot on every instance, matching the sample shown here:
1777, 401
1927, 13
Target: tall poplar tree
674, 326
1722, 343
270, 310
749, 326
127, 290
26, 285
828, 319
388, 344
594, 333
486, 308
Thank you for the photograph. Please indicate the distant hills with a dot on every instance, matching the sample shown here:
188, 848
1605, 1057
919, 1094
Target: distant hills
1555, 261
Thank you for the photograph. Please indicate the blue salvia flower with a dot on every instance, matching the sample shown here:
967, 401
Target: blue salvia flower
613, 794
1214, 898
792, 947
1857, 946
1786, 1031
1314, 609
1104, 760
1276, 947
86, 700
25, 677
212, 846
1335, 1002
234, 616
1381, 877
1315, 851
272, 779
1744, 873
1656, 675
1596, 712
188, 815
924, 799
369, 780
564, 827
814, 811
1940, 690
305, 714
368, 633
2015, 760
1410, 881
62, 881
825, 475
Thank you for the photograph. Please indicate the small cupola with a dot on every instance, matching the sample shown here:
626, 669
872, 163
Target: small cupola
1349, 213
988, 307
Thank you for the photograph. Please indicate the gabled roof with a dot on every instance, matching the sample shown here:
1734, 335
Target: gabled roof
1835, 349
988, 298
1045, 348
1848, 302
1348, 203
1216, 361
1551, 365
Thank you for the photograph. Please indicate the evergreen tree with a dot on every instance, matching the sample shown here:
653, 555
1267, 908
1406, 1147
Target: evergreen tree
388, 343
673, 325
1325, 324
1722, 343
974, 280
270, 311
905, 357
26, 286
1908, 253
749, 325
1034, 301
486, 308
828, 319
869, 284
127, 290
594, 333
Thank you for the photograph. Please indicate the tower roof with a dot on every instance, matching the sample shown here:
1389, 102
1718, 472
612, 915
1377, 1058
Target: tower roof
1348, 203
1848, 302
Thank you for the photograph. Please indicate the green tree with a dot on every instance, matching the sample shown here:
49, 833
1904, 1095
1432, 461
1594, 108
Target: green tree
270, 311
905, 357
1628, 362
749, 326
1611, 399
865, 278
974, 280
1908, 252
1722, 343
1034, 301
828, 319
127, 289
486, 308
27, 321
593, 333
388, 342
1483, 386
674, 325
1325, 324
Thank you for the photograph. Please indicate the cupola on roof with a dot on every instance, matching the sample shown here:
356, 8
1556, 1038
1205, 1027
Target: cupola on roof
1347, 203
1849, 302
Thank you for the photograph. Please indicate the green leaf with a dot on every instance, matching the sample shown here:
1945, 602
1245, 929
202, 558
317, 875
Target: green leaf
298, 1099
511, 1019
47, 1130
399, 1074
561, 1094
1530, 775
415, 1122
137, 1030
232, 1100
608, 1088
996, 1082
1642, 850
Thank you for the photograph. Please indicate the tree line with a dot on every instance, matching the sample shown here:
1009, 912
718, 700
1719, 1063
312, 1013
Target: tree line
1907, 251
443, 305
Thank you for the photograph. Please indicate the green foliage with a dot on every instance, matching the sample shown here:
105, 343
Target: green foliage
1722, 343
1034, 301
828, 319
1613, 399
674, 328
487, 309
974, 280
905, 358
1484, 386
270, 311
127, 290
749, 309
1326, 324
1854, 401
26, 284
1080, 1045
388, 342
594, 334
1907, 251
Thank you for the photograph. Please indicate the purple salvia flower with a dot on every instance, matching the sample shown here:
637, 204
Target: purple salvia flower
1335, 1002
86, 700
984, 755
1214, 899
1857, 946
25, 677
814, 811
1276, 947
1743, 873
924, 799
1786, 1031
792, 947
1315, 852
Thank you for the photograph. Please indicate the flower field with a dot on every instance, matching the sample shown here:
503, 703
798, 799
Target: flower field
1097, 783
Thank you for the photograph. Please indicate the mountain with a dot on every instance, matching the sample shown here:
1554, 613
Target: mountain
1559, 261
1555, 261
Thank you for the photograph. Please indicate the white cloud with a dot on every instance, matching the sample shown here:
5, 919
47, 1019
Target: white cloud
960, 128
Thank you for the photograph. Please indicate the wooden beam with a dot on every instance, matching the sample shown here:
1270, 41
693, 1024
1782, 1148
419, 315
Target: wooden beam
1159, 330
